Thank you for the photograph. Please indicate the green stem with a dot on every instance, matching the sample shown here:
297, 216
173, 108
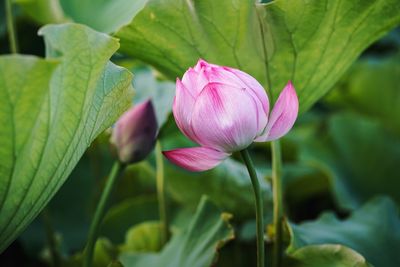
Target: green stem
12, 37
116, 171
162, 207
259, 207
51, 238
278, 203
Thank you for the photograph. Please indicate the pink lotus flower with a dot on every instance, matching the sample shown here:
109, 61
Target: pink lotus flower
224, 110
134, 134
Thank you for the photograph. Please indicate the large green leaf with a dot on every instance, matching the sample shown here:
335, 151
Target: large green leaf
90, 176
196, 246
102, 15
311, 43
51, 110
372, 231
372, 87
43, 11
358, 154
310, 187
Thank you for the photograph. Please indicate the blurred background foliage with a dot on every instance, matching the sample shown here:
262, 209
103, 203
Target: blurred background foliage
341, 178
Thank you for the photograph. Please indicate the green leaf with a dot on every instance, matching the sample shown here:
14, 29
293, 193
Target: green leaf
90, 175
327, 256
137, 179
372, 231
359, 155
51, 110
196, 246
311, 188
367, 81
143, 237
127, 213
311, 43
228, 185
104, 252
367, 173
43, 11
102, 15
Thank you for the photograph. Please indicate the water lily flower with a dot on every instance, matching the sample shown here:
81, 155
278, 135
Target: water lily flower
225, 110
135, 132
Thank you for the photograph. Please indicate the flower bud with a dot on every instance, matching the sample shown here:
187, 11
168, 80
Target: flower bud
135, 133
225, 110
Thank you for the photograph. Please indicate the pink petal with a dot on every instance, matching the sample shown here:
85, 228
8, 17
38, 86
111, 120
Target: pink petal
283, 115
182, 109
189, 79
254, 85
196, 158
201, 63
225, 117
228, 76
194, 81
222, 75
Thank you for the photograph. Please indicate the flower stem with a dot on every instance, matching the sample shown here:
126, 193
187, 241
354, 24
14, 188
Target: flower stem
51, 239
116, 171
278, 206
259, 207
12, 37
162, 207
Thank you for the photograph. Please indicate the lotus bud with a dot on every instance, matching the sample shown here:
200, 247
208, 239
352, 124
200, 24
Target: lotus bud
135, 133
225, 110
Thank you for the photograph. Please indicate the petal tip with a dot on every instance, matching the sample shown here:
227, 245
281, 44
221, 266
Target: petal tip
201, 63
148, 104
290, 88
